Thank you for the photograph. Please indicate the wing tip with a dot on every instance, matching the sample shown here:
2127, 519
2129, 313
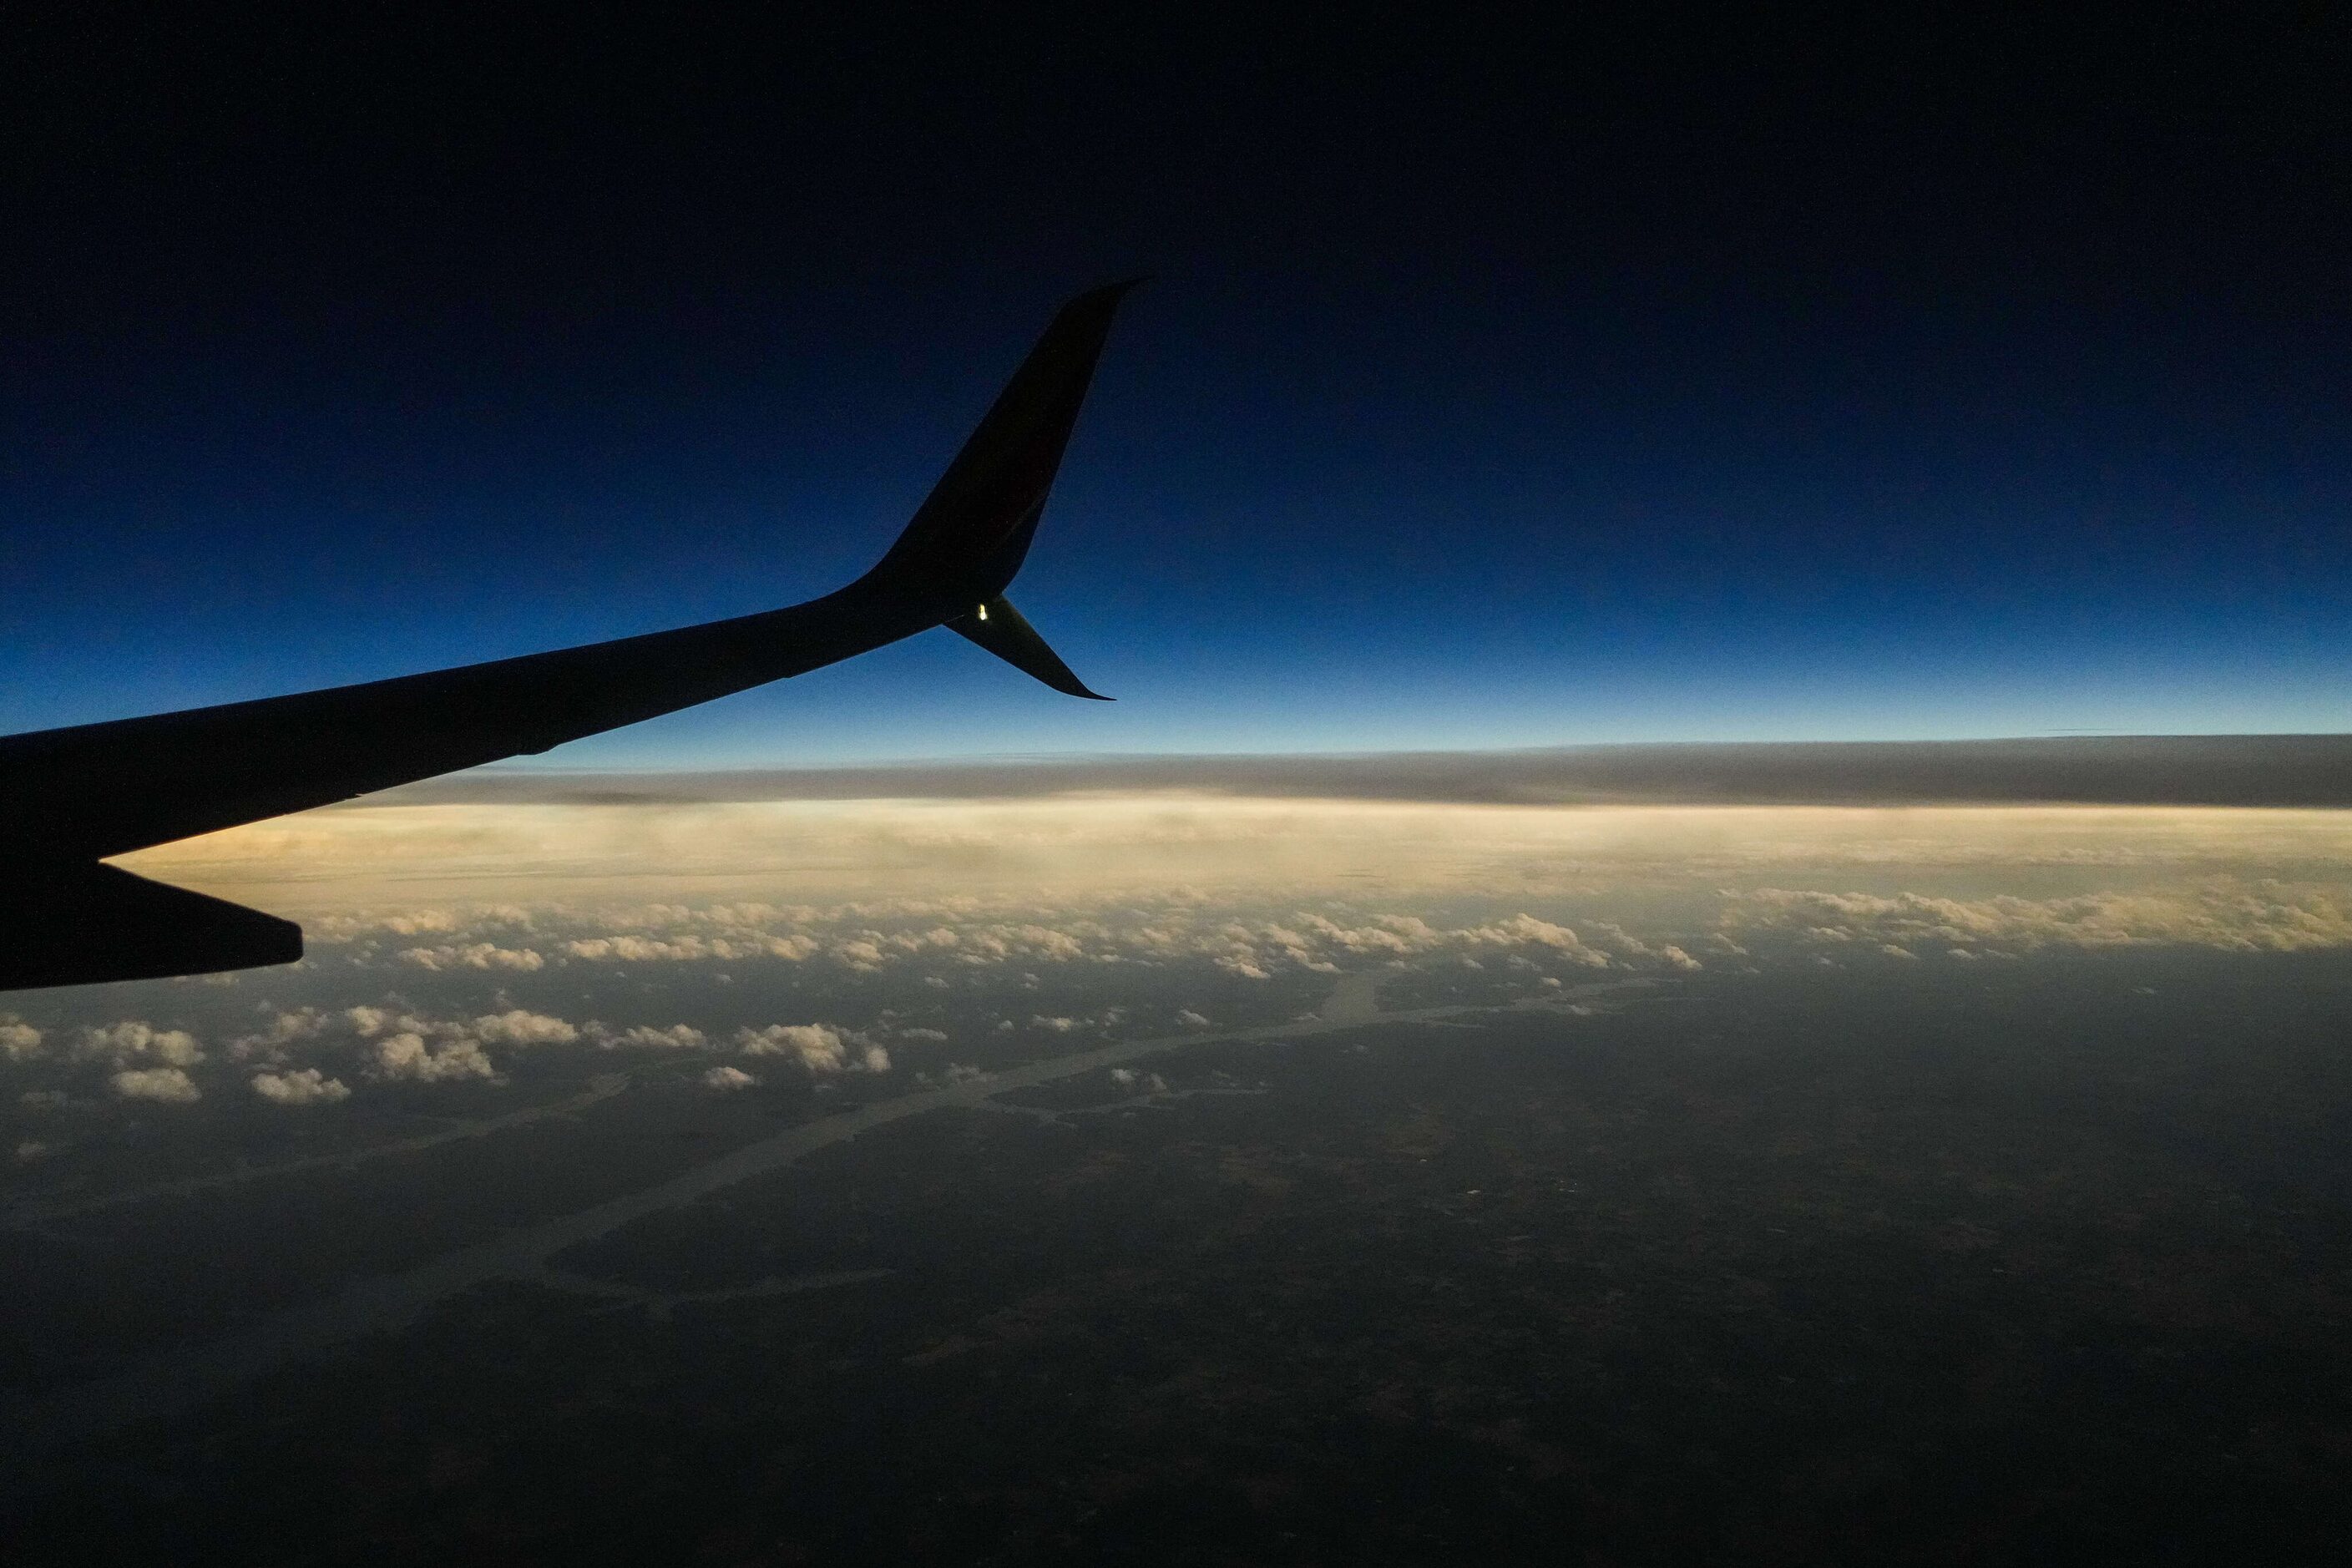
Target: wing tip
1105, 294
1003, 631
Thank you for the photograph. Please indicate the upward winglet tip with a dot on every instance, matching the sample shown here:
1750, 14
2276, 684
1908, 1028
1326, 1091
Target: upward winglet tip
1113, 293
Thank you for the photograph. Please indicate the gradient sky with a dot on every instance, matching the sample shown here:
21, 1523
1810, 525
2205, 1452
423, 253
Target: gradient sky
1500, 384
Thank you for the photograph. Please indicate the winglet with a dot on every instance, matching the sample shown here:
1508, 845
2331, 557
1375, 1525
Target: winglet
970, 535
1000, 628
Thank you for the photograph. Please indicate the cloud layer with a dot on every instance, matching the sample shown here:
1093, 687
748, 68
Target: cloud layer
379, 864
920, 934
2267, 917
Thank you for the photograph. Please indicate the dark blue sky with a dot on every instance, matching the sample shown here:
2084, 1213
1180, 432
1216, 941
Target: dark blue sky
1501, 382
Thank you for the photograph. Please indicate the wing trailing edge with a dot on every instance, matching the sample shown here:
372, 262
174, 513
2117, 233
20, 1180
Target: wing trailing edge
77, 924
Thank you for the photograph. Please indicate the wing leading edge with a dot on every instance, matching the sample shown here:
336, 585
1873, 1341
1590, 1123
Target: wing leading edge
70, 797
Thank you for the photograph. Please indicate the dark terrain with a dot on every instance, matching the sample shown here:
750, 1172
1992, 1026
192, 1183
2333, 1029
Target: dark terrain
2042, 1260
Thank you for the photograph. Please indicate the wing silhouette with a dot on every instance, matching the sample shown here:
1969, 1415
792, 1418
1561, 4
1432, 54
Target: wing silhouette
70, 797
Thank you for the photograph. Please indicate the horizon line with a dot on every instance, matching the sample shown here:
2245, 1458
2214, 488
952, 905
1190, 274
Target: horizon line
2299, 769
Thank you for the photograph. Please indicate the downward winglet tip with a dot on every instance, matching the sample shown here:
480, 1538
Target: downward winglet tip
1000, 628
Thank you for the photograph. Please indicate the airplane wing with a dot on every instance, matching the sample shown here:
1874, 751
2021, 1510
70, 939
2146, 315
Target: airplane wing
70, 797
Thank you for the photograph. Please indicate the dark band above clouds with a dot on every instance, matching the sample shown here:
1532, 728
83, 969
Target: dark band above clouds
2118, 769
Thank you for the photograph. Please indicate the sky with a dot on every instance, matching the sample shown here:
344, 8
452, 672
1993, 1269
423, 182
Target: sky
1500, 381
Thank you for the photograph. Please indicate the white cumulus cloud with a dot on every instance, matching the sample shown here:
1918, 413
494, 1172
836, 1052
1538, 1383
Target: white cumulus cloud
306, 1086
518, 1028
676, 1038
816, 1046
134, 1040
169, 1085
473, 955
407, 1056
286, 1029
